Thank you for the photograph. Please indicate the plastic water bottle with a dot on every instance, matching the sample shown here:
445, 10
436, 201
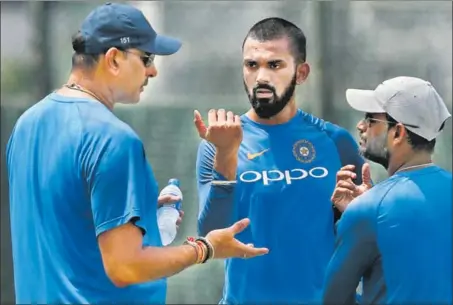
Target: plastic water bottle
168, 214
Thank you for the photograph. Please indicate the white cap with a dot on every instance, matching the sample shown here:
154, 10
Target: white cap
408, 100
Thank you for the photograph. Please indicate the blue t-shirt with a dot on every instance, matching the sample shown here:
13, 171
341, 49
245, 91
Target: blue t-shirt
285, 178
397, 236
75, 171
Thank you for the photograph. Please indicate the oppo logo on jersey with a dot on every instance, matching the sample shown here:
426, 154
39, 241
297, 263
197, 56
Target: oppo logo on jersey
288, 175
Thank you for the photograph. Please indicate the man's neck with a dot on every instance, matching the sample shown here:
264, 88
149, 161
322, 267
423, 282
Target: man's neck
414, 161
90, 87
282, 117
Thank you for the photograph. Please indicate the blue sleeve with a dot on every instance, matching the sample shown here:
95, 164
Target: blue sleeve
116, 174
348, 150
355, 252
349, 154
215, 201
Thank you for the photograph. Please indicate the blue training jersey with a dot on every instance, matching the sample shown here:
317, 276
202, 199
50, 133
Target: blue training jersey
75, 171
397, 236
285, 178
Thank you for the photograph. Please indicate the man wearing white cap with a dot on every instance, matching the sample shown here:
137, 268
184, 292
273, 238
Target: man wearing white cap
397, 234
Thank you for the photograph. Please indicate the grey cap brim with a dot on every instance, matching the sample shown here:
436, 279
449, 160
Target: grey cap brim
364, 101
162, 45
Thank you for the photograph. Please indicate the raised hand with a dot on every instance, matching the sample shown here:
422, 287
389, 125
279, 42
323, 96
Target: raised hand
346, 190
224, 129
226, 246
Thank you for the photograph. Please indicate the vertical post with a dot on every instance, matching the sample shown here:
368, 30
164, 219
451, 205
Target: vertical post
333, 35
41, 14
325, 60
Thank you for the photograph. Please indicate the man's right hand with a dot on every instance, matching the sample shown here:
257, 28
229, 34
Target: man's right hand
224, 129
346, 190
226, 246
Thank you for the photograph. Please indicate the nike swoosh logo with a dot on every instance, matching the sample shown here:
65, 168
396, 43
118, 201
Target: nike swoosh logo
253, 156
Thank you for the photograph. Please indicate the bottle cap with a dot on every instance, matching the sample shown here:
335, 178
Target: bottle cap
174, 181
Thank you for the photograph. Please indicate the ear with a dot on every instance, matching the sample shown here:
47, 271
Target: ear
112, 58
302, 72
399, 134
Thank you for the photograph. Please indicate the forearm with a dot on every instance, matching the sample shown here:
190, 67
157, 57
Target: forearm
153, 263
226, 163
216, 175
217, 207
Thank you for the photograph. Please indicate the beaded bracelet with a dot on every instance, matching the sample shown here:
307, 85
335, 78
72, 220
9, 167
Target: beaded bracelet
198, 249
209, 247
201, 249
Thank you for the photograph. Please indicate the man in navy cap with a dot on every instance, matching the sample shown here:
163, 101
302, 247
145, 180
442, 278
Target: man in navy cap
83, 196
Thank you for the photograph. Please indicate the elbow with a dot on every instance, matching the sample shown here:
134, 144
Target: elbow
119, 278
119, 283
121, 274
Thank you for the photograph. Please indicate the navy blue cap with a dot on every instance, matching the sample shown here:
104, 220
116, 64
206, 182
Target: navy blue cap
123, 26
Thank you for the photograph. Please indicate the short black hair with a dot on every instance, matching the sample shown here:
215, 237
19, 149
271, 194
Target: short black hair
274, 28
417, 142
82, 59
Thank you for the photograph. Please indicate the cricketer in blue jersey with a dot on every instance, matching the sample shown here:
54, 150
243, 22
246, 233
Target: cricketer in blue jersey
277, 168
396, 235
83, 198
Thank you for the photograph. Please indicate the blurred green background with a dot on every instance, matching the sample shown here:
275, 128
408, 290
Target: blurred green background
350, 44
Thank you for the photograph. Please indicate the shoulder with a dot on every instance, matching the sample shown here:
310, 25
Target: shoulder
107, 141
412, 187
364, 206
344, 142
370, 201
311, 120
394, 187
360, 216
108, 129
339, 134
36, 112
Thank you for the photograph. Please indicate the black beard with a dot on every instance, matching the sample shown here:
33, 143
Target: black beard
266, 108
384, 161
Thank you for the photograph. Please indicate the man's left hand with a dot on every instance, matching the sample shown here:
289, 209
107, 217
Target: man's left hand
168, 199
345, 190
